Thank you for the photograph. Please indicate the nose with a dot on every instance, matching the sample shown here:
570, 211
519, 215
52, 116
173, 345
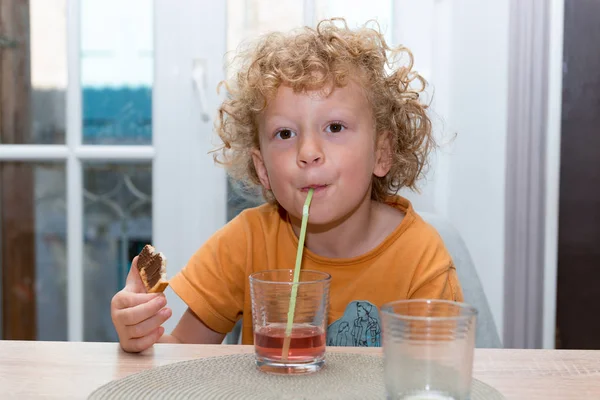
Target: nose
310, 151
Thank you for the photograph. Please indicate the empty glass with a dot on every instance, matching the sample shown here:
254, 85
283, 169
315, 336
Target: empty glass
428, 349
303, 350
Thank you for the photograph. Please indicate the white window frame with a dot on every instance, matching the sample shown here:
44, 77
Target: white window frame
189, 191
184, 212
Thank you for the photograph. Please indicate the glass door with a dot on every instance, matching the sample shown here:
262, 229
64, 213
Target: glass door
102, 149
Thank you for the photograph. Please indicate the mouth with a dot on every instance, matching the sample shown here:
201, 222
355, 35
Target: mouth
317, 188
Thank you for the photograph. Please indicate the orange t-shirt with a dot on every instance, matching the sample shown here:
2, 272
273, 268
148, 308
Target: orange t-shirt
412, 262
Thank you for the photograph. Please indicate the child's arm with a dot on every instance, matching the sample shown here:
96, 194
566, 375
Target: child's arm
190, 329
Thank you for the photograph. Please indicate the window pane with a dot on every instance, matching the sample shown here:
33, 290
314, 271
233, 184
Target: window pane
247, 19
33, 72
239, 199
117, 71
358, 12
117, 224
33, 251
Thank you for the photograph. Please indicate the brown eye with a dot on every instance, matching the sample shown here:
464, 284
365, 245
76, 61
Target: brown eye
285, 134
335, 128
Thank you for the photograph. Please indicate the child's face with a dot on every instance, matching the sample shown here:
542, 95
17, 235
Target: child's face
328, 143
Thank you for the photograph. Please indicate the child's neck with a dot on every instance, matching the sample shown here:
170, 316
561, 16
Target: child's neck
365, 229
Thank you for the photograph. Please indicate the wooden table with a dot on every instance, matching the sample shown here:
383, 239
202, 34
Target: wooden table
71, 370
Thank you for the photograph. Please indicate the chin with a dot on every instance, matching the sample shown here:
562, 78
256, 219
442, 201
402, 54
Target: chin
324, 216
317, 215
321, 220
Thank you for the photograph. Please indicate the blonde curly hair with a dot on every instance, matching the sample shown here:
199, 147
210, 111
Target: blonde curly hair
313, 59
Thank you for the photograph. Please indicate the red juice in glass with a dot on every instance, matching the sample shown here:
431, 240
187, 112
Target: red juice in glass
307, 342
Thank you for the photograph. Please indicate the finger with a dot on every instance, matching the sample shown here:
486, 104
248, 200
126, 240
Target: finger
124, 299
134, 281
143, 343
141, 312
146, 327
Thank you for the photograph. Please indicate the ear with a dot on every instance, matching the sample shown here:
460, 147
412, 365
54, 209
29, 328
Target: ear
261, 169
383, 154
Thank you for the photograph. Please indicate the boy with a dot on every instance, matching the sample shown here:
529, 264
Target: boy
311, 109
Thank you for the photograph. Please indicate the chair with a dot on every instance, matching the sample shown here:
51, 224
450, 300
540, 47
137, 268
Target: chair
235, 336
487, 333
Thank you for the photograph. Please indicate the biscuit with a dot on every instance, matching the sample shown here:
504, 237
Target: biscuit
152, 267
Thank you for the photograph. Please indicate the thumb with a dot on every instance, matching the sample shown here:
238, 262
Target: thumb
134, 281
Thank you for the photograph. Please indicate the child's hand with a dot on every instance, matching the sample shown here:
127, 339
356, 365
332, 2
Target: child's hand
138, 315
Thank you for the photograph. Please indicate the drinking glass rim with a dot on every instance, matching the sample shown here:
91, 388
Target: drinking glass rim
470, 310
253, 278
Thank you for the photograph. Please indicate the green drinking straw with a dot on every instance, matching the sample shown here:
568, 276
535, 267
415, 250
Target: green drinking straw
292, 308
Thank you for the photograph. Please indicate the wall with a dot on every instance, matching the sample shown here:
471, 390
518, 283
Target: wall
466, 62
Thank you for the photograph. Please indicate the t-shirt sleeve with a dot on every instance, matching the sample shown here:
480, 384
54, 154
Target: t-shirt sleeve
444, 286
212, 284
435, 276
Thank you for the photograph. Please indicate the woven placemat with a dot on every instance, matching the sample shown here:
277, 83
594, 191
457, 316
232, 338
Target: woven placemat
345, 376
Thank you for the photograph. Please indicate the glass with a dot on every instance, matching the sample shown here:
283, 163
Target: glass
117, 71
270, 292
246, 20
33, 261
428, 349
33, 47
240, 198
358, 12
117, 224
